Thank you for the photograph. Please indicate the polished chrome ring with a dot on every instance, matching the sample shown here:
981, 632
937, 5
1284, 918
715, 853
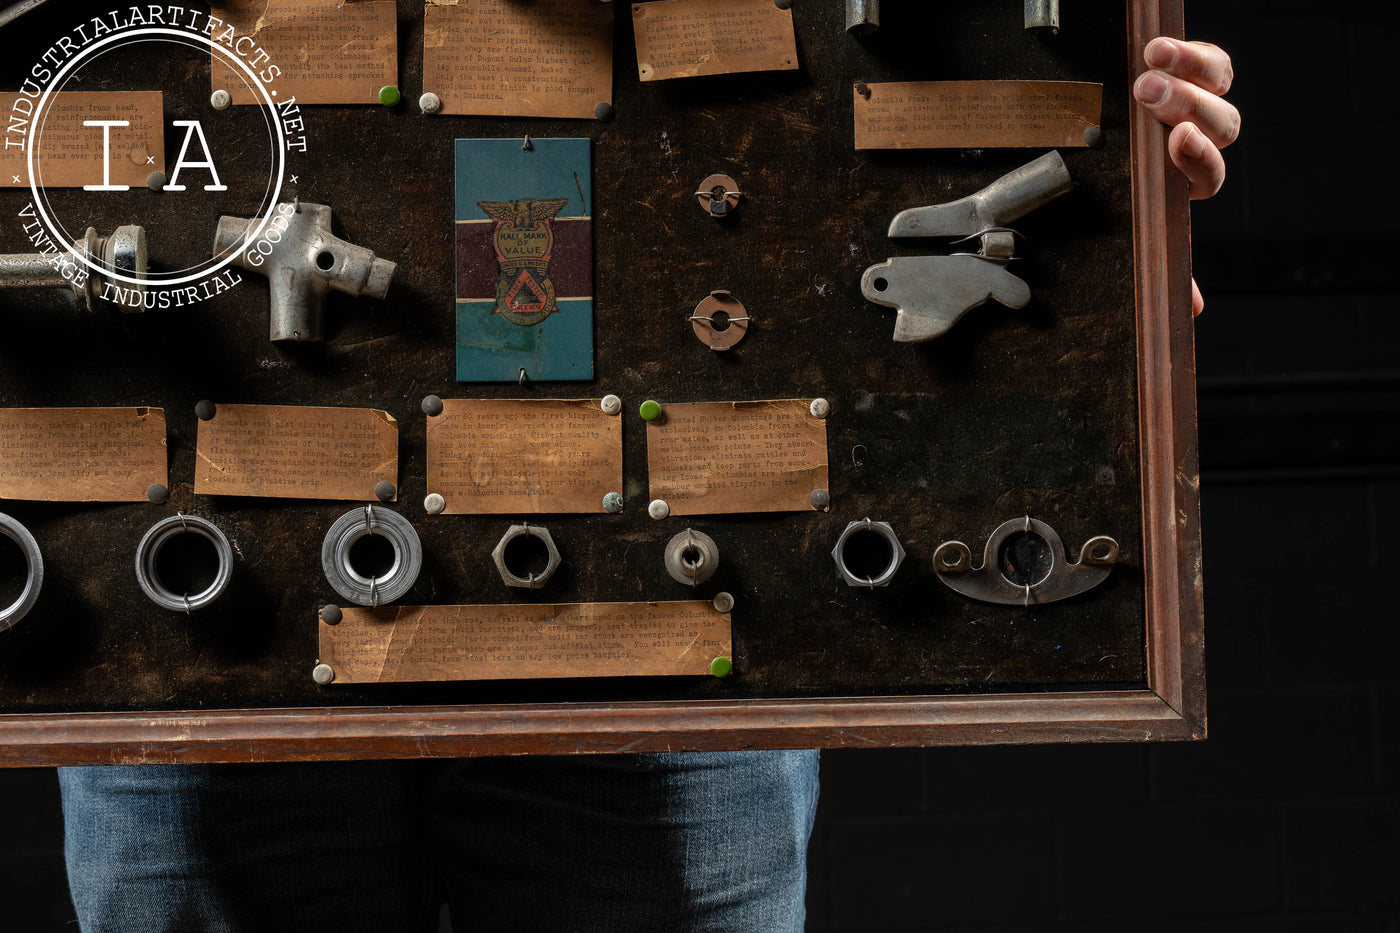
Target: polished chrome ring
32, 581
155, 540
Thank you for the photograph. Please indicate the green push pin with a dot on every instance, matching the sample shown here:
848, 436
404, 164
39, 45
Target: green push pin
651, 410
721, 667
388, 95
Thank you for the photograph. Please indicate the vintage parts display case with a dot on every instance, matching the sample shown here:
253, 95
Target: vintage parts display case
1066, 421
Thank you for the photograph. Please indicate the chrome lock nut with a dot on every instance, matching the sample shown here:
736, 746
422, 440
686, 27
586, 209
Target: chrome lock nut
692, 557
530, 580
856, 531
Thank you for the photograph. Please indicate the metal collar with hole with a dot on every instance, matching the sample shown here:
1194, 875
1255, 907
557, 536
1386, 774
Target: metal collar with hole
692, 557
34, 576
157, 538
881, 530
989, 584
371, 590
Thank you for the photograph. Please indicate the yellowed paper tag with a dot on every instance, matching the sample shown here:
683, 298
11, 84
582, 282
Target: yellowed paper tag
545, 58
326, 51
513, 642
713, 457
976, 114
293, 452
71, 155
495, 456
81, 454
687, 38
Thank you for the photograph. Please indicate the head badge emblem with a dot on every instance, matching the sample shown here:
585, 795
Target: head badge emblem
524, 243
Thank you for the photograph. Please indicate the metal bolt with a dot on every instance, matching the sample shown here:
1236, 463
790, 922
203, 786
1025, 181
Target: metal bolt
821, 499
604, 112
205, 410
220, 99
434, 504
611, 405
124, 251
429, 102
531, 580
323, 674
612, 503
385, 491
819, 408
432, 406
330, 614
723, 602
658, 509
157, 493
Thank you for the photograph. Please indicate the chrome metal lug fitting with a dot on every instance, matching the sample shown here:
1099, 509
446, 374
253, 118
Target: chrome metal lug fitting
508, 558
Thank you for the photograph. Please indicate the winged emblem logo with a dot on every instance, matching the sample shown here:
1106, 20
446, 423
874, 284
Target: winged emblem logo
524, 242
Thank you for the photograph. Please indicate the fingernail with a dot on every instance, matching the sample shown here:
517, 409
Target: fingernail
1194, 145
1152, 88
1162, 53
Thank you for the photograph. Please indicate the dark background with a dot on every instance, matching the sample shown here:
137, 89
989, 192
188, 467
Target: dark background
1288, 817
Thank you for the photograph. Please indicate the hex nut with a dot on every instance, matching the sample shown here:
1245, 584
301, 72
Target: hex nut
881, 529
532, 581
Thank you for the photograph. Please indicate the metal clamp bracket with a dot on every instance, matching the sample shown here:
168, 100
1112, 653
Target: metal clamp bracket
1045, 578
930, 293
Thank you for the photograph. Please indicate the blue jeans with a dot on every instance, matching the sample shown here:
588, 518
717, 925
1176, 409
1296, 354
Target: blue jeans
702, 842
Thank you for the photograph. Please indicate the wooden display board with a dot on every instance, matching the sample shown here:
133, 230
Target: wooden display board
1077, 410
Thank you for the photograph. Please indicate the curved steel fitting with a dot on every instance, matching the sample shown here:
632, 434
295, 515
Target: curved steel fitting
692, 557
154, 541
881, 530
303, 261
34, 578
530, 580
371, 590
1058, 580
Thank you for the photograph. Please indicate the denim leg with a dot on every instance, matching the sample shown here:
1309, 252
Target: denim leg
224, 848
685, 843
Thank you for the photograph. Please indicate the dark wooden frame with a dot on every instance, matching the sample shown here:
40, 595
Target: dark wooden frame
1171, 708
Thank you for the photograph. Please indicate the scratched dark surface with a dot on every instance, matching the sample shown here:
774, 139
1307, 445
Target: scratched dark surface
1013, 412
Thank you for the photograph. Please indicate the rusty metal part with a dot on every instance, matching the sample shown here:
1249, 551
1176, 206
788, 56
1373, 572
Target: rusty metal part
862, 16
718, 195
692, 557
347, 580
1043, 15
882, 530
930, 293
1046, 578
34, 573
155, 540
124, 251
720, 320
529, 579
303, 261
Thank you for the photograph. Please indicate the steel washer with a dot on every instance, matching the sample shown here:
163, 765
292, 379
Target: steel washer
20, 535
351, 584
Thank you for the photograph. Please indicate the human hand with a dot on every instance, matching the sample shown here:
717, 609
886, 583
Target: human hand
1184, 90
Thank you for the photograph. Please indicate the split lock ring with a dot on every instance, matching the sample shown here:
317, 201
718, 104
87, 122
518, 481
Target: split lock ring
155, 540
33, 580
355, 586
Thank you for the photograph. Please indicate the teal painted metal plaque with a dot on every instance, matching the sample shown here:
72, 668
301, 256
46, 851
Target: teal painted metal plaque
524, 260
